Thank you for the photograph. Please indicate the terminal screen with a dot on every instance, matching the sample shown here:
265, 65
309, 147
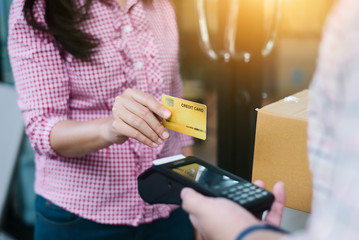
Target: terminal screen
204, 176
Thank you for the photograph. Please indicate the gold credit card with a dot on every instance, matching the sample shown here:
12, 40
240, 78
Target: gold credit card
187, 117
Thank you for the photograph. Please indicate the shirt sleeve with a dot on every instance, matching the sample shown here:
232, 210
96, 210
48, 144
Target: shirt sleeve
335, 213
336, 216
40, 78
334, 130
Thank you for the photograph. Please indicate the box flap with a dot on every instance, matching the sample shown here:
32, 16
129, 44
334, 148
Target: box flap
295, 106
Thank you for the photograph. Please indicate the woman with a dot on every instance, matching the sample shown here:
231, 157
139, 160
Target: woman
90, 75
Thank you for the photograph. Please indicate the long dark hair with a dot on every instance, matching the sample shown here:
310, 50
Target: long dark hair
62, 21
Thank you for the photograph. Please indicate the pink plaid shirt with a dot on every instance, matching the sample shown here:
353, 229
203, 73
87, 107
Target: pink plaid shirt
139, 49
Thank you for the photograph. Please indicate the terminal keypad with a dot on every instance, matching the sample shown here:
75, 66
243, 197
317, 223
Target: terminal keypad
244, 193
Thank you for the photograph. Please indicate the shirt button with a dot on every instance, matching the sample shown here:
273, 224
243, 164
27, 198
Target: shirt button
127, 28
138, 65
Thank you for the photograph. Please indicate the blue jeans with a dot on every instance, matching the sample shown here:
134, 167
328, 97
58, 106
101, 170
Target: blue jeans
53, 222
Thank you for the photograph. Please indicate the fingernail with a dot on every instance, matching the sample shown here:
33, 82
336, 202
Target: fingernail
154, 145
280, 182
159, 141
166, 114
165, 134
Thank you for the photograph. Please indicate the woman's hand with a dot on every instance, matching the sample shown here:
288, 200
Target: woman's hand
134, 115
137, 115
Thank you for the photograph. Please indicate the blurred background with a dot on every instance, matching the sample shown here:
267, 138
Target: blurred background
233, 80
286, 70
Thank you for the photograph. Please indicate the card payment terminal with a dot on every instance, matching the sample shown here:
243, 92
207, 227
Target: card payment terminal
163, 182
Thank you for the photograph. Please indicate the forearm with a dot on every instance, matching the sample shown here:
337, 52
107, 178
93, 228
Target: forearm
71, 138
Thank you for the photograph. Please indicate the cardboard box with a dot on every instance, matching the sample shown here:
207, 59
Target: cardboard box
281, 149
